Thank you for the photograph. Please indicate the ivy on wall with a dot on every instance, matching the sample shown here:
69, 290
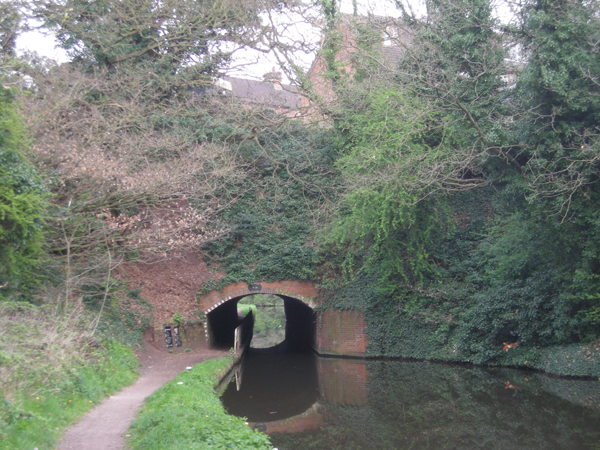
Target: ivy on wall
275, 209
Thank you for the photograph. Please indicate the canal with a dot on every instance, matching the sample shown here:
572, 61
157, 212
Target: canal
306, 402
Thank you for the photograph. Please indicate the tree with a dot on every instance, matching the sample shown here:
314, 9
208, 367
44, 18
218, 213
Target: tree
133, 149
471, 178
413, 129
22, 204
559, 94
9, 25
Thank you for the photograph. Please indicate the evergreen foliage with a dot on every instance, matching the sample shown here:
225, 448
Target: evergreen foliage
469, 216
22, 204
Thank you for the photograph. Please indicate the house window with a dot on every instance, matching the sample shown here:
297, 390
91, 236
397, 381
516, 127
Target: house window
391, 36
387, 39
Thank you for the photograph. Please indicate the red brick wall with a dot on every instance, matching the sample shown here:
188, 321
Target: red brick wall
343, 381
341, 333
302, 290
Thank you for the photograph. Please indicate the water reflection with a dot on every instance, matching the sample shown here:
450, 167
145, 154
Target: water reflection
353, 404
274, 386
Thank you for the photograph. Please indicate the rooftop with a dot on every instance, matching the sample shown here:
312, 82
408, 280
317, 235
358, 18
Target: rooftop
269, 92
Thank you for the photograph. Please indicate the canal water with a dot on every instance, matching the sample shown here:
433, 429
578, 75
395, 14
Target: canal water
305, 402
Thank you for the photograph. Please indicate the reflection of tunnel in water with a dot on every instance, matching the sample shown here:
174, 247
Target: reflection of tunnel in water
275, 385
300, 325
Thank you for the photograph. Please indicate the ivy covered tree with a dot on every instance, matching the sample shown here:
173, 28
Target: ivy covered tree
559, 92
456, 59
471, 177
543, 256
540, 260
22, 204
413, 132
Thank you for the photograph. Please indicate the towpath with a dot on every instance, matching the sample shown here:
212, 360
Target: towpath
105, 426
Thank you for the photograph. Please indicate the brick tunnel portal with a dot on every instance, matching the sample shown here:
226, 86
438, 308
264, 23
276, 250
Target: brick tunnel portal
300, 328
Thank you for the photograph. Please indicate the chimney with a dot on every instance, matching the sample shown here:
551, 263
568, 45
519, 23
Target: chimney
274, 77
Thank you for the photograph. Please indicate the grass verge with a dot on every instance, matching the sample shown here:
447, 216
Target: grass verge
186, 413
53, 368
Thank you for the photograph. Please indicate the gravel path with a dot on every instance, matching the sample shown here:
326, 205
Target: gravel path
105, 426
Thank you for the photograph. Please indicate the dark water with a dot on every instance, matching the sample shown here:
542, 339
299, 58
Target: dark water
273, 386
304, 402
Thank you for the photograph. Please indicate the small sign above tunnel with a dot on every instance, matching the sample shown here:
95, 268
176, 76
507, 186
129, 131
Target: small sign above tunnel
255, 287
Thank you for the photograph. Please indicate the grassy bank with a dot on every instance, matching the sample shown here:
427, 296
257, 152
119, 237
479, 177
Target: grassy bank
186, 413
53, 368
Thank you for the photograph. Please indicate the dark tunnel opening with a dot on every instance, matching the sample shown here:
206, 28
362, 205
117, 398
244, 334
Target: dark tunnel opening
300, 328
222, 322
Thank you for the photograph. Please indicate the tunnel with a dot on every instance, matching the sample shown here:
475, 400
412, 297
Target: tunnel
300, 328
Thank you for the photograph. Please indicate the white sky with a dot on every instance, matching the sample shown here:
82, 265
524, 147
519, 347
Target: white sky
246, 63
42, 44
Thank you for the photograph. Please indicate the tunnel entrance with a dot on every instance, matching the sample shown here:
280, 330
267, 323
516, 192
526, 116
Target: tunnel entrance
300, 324
269, 319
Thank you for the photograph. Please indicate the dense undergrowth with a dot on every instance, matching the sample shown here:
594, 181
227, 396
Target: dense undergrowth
53, 368
469, 308
423, 334
187, 413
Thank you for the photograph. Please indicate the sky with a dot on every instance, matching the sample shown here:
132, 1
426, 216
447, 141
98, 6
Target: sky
252, 64
42, 43
248, 64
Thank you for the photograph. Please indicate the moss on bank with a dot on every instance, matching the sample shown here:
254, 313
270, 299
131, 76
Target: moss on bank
186, 413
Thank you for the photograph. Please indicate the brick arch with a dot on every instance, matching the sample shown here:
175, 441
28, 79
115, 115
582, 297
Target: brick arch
305, 291
336, 332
